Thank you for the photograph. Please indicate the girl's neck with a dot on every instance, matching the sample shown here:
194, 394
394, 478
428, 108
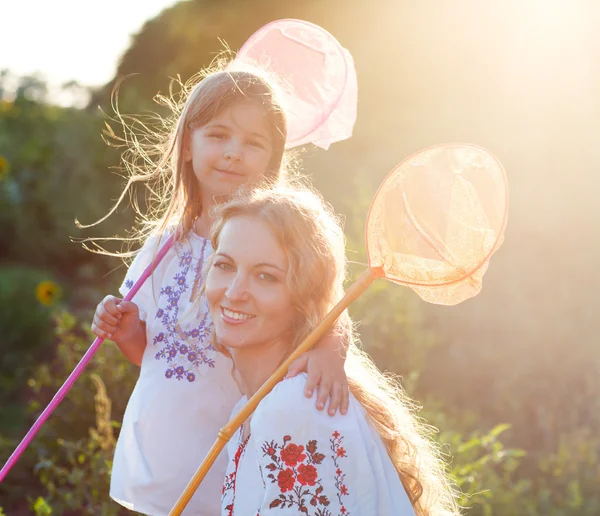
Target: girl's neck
255, 365
203, 224
205, 220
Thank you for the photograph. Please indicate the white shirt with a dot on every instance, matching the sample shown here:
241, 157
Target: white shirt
184, 394
299, 460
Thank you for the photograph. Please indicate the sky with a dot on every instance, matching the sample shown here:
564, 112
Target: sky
66, 40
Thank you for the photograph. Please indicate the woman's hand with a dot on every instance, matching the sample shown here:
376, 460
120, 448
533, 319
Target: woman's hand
325, 368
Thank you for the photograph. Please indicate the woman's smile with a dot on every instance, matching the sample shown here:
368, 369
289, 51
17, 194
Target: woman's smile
234, 316
250, 301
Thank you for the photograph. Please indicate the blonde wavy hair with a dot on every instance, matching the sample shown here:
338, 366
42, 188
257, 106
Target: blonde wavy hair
153, 148
311, 236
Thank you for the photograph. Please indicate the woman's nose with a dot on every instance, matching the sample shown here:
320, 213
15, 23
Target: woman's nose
238, 289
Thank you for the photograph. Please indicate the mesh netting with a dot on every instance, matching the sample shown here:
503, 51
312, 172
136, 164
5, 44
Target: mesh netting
436, 220
315, 75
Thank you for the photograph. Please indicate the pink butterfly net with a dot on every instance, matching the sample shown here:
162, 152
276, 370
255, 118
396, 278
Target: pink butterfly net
314, 74
436, 220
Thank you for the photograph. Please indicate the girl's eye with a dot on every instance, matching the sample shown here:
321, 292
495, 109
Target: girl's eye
223, 266
219, 136
256, 143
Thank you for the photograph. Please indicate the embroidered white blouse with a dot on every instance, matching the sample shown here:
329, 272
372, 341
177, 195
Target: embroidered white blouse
184, 394
298, 460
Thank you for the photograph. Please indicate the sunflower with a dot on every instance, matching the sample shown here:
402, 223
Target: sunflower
4, 167
47, 293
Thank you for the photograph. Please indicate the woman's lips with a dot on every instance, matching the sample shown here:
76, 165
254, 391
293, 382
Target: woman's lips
234, 316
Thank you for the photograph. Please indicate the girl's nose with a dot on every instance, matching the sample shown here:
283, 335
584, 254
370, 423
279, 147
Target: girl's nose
233, 152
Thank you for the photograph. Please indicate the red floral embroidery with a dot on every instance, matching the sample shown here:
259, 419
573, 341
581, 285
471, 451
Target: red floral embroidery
307, 474
338, 453
286, 480
292, 454
229, 484
294, 468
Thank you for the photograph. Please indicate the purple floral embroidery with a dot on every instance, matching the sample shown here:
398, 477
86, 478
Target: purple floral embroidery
182, 348
129, 283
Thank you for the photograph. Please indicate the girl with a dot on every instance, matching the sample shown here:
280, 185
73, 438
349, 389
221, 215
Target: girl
230, 132
277, 269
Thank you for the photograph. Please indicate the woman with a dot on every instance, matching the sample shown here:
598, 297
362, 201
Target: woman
278, 268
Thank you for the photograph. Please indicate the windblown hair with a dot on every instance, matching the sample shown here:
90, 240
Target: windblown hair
311, 236
154, 157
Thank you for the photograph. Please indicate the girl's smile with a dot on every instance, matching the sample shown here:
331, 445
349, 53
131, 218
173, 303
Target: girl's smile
233, 149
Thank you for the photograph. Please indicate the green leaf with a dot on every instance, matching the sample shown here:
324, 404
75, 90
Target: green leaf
41, 507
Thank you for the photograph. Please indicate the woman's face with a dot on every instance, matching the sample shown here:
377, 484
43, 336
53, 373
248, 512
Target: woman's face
248, 296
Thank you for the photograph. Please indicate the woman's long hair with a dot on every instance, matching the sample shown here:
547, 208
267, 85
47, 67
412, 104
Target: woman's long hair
308, 231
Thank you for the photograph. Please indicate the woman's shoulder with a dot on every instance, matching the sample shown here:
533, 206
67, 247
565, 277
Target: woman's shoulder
288, 394
287, 406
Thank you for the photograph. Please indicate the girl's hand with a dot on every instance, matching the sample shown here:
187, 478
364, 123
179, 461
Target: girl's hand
117, 320
325, 368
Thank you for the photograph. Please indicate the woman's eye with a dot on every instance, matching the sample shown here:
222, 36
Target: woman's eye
267, 277
223, 266
219, 136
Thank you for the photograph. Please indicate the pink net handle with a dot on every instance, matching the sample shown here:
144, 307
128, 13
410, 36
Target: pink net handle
314, 75
76, 373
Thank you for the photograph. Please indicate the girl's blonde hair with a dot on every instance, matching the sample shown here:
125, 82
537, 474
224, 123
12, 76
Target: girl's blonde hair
313, 240
154, 153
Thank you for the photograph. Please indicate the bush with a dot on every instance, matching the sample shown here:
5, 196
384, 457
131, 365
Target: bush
72, 454
26, 330
54, 167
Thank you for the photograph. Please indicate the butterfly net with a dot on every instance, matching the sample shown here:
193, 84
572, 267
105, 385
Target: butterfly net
437, 219
315, 76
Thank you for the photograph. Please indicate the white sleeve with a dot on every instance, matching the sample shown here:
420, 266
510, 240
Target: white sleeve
145, 296
313, 463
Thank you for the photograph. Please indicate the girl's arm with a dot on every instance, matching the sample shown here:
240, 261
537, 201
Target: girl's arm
126, 319
133, 348
325, 367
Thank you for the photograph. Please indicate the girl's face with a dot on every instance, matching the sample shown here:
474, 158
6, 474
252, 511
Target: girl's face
233, 149
248, 296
